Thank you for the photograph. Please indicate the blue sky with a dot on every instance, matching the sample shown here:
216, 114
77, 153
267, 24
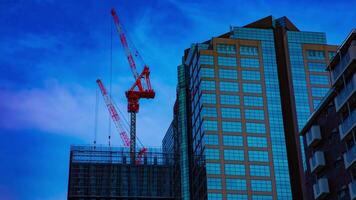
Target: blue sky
53, 51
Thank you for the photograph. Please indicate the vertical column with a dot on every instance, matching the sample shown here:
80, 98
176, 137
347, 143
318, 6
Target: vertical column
289, 111
133, 137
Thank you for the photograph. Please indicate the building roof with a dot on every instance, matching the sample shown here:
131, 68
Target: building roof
268, 23
264, 23
342, 49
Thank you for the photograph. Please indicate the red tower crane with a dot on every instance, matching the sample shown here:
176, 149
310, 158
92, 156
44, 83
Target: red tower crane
142, 85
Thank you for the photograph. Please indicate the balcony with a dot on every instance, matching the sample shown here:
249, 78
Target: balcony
313, 136
317, 162
344, 62
347, 125
345, 93
352, 190
350, 157
321, 188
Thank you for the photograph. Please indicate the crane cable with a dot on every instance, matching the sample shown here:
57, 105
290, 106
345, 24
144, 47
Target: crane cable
110, 78
96, 117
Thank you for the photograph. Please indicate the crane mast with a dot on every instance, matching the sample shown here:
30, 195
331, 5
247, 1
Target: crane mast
138, 90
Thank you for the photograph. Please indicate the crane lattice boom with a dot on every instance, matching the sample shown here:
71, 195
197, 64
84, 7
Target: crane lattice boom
114, 115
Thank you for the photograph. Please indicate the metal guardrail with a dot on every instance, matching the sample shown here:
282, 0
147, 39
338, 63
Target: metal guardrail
347, 125
118, 155
345, 93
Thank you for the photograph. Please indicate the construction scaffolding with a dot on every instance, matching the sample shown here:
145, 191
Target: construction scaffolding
108, 173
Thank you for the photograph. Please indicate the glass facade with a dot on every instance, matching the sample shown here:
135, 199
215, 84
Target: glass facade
235, 118
183, 132
238, 136
310, 80
273, 111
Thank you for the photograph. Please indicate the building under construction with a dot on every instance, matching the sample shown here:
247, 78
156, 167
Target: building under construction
108, 173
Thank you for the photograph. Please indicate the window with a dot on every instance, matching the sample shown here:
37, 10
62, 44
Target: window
252, 88
331, 55
233, 140
256, 141
209, 125
227, 61
251, 75
207, 85
213, 168
212, 154
254, 114
237, 197
225, 48
211, 139
253, 101
235, 169
209, 98
207, 72
209, 112
230, 113
215, 196
316, 102
262, 197
231, 126
228, 73
319, 92
250, 62
214, 183
255, 128
319, 79
206, 59
229, 86
260, 170
315, 55
229, 99
249, 50
316, 67
235, 184
341, 194
261, 186
258, 156
233, 154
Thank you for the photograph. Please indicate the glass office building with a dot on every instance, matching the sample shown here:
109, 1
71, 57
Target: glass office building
235, 95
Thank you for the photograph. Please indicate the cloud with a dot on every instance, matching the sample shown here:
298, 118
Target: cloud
54, 109
70, 110
30, 41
